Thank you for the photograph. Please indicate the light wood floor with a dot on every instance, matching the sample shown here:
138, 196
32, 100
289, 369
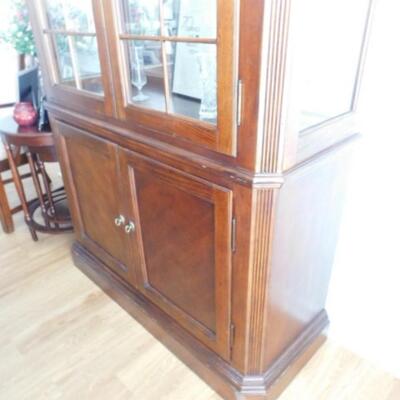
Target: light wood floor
62, 338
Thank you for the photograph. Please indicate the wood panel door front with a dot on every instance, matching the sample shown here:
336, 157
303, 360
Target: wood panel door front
90, 166
182, 243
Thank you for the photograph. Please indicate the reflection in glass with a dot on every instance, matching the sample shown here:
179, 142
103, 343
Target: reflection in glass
208, 81
146, 74
89, 71
139, 77
71, 15
175, 76
142, 17
192, 72
64, 60
78, 62
329, 40
190, 18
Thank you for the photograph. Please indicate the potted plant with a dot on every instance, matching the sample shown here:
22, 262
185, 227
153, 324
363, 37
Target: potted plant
19, 34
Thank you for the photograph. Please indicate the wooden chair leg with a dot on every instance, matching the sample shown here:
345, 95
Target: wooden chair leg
20, 191
5, 212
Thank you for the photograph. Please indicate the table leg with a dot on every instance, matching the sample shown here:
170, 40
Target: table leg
47, 187
38, 187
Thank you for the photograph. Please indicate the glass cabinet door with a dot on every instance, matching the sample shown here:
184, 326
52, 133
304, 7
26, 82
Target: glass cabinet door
327, 49
330, 39
71, 44
178, 68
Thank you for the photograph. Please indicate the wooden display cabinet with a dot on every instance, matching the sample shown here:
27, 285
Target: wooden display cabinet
204, 147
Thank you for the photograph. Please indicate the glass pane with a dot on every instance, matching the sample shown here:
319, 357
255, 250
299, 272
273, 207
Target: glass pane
190, 18
78, 62
146, 86
192, 73
141, 17
329, 40
64, 60
88, 63
72, 15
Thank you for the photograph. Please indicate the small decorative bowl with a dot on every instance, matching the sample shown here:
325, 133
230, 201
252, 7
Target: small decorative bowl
25, 114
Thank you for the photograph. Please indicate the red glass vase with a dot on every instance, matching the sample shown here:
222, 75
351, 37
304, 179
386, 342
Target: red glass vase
25, 114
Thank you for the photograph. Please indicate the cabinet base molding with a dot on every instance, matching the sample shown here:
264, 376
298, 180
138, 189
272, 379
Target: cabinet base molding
218, 373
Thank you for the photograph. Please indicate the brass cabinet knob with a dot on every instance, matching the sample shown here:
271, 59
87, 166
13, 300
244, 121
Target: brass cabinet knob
130, 228
120, 220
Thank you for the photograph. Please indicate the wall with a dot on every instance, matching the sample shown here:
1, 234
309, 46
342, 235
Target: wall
364, 297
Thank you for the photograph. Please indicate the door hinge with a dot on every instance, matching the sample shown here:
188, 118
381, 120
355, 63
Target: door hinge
239, 103
234, 228
232, 335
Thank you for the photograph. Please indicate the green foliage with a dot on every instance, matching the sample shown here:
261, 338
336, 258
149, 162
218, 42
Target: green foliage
19, 33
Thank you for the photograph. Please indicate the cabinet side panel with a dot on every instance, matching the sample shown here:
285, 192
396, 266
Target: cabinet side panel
306, 230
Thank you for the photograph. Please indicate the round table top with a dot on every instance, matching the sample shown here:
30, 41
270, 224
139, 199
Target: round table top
17, 135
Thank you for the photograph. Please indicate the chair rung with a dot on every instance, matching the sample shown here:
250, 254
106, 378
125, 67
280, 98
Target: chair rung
16, 209
10, 180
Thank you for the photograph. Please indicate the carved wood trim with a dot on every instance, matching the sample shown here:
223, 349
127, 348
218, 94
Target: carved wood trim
262, 226
274, 69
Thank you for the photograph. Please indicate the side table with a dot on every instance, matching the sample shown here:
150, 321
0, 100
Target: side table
49, 213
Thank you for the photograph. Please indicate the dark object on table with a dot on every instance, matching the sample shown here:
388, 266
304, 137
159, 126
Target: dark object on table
49, 212
25, 114
28, 86
44, 122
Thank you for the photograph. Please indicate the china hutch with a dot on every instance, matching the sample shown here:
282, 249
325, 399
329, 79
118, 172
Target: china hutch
204, 146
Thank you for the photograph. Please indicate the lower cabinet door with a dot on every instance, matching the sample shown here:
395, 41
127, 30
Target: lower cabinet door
181, 243
90, 169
